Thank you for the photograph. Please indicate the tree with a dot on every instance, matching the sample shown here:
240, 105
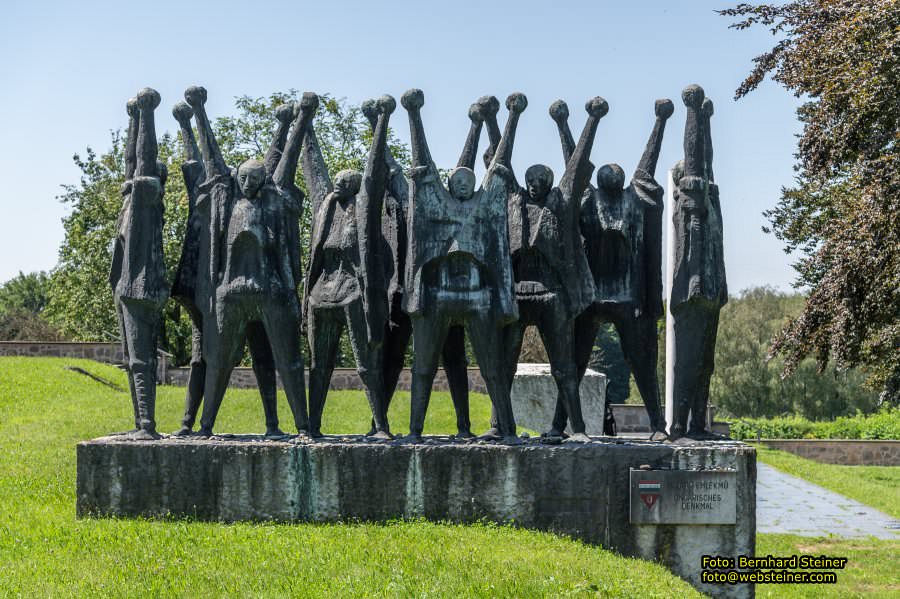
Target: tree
25, 292
22, 302
843, 56
81, 303
746, 383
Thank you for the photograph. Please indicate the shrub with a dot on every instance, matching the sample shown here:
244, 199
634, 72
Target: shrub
881, 425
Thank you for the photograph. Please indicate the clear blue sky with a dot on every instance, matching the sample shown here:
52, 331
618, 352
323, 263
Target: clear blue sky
68, 68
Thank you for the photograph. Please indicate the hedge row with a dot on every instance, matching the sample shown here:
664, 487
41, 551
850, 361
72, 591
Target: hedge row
881, 425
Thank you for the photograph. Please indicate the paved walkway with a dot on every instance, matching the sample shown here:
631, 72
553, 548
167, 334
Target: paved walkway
788, 504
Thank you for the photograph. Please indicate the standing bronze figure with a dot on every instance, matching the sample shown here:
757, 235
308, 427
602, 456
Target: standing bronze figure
138, 273
699, 288
622, 231
192, 288
553, 282
458, 267
251, 259
346, 285
394, 223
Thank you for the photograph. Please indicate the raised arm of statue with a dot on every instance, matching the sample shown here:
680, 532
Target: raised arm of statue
183, 114
131, 139
213, 162
470, 148
516, 103
287, 165
315, 170
579, 168
147, 150
371, 111
664, 109
413, 100
706, 112
559, 112
192, 167
375, 175
284, 114
490, 106
692, 96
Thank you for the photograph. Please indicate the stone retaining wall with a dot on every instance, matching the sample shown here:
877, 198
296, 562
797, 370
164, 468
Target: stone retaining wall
632, 418
241, 377
342, 379
847, 452
101, 352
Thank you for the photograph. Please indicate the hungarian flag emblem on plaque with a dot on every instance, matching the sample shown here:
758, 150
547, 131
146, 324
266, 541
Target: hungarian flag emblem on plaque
649, 492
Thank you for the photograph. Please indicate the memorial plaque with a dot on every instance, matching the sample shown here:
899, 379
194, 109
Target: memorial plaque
683, 497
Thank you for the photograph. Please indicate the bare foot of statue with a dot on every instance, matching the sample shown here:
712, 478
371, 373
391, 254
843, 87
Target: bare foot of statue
205, 432
554, 434
184, 431
512, 440
464, 433
381, 435
275, 433
413, 438
578, 438
704, 435
144, 435
659, 436
492, 434
124, 433
301, 437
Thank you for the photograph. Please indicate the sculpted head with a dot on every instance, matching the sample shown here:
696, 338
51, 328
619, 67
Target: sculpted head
347, 183
163, 171
462, 183
611, 178
538, 181
678, 171
370, 110
183, 113
251, 177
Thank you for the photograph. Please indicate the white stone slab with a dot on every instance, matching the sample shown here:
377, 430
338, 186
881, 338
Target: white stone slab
534, 398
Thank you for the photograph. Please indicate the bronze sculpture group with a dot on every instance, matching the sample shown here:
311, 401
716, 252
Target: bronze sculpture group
398, 255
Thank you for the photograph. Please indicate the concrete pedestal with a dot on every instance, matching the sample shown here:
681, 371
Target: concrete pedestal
534, 394
581, 490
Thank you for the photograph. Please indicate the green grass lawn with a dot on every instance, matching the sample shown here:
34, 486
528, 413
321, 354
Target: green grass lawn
873, 566
877, 486
44, 551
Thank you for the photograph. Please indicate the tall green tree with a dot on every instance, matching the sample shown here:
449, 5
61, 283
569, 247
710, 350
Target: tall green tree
81, 303
747, 383
22, 302
843, 214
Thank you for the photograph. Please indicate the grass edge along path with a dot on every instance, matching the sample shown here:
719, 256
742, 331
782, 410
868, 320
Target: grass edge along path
44, 550
875, 486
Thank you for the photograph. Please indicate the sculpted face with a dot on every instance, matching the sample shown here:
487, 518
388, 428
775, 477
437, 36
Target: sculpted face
611, 178
678, 171
251, 177
347, 184
163, 171
462, 183
538, 181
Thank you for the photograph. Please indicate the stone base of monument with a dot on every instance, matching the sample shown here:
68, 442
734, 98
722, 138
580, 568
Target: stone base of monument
671, 503
534, 394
